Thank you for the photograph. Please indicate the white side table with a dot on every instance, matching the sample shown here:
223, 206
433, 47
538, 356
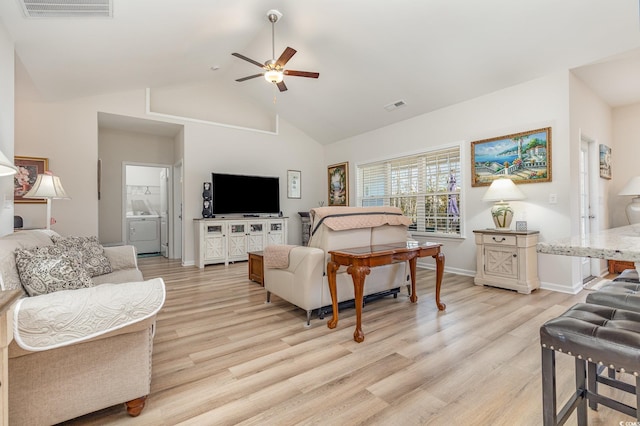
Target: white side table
507, 259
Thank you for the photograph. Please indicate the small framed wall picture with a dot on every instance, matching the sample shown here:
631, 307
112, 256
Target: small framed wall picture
28, 170
605, 162
338, 184
294, 184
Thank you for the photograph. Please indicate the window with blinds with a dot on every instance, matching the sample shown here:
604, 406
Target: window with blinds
425, 186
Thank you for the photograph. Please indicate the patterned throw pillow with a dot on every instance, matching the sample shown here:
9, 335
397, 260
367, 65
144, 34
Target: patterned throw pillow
47, 269
93, 257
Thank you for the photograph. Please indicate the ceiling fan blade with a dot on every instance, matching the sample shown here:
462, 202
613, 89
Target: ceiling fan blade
238, 55
281, 86
286, 55
250, 77
302, 73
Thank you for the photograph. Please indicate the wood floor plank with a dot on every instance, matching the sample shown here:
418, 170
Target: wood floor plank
222, 356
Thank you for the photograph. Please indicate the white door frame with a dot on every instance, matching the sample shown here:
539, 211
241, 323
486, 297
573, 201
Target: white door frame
169, 198
177, 249
588, 212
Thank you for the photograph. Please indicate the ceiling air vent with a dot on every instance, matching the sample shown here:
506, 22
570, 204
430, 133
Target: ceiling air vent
67, 8
395, 105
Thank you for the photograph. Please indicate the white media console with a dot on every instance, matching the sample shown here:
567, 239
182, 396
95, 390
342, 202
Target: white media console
224, 240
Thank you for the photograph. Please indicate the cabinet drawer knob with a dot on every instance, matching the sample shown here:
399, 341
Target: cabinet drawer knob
515, 255
498, 241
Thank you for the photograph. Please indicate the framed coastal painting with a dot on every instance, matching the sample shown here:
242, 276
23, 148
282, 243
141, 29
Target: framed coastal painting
524, 156
605, 162
338, 184
28, 170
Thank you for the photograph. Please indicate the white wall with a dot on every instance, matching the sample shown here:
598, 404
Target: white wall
590, 118
217, 149
67, 133
540, 103
6, 128
624, 158
115, 147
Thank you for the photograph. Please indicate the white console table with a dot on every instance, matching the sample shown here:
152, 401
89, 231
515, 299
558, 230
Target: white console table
507, 259
224, 240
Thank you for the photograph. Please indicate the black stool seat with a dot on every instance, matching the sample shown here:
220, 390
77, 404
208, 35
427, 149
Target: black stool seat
594, 335
617, 294
628, 275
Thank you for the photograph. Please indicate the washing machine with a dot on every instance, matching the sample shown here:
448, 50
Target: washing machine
143, 232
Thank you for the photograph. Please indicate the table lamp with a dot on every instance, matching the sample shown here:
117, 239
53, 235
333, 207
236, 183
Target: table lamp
633, 208
47, 186
502, 190
7, 168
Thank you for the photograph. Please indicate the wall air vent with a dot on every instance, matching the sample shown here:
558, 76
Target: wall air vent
395, 105
67, 8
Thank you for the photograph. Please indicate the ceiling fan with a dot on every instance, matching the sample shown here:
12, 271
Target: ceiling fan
274, 71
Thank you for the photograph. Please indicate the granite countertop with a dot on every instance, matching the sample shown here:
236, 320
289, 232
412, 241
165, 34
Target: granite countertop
622, 243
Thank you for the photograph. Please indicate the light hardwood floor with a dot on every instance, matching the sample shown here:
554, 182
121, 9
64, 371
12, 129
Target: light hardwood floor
222, 356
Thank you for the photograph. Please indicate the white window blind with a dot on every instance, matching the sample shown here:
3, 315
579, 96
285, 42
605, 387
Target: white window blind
425, 186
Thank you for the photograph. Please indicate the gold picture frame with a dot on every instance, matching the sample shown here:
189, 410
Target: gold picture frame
338, 184
28, 170
525, 155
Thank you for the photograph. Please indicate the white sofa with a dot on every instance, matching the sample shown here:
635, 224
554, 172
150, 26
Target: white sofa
78, 351
303, 282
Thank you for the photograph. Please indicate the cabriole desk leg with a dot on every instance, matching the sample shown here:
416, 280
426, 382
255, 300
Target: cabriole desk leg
332, 267
358, 274
412, 271
439, 272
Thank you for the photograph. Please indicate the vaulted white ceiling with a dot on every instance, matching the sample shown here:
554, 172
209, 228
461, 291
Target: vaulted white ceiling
369, 53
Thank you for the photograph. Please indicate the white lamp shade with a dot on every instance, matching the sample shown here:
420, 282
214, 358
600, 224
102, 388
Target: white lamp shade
632, 187
47, 186
7, 168
503, 189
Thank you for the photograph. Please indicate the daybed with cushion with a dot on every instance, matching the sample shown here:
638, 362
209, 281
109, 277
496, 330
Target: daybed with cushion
302, 278
83, 332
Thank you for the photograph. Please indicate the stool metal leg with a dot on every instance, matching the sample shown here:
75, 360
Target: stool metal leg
578, 401
592, 380
548, 387
638, 398
581, 391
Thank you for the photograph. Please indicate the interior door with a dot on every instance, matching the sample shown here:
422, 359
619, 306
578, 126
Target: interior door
588, 267
177, 252
164, 212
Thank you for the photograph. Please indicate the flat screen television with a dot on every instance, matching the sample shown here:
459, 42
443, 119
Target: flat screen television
242, 194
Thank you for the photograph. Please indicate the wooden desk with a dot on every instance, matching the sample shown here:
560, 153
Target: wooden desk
256, 267
360, 260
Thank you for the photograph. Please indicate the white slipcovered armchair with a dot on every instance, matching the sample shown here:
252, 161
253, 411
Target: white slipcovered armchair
303, 281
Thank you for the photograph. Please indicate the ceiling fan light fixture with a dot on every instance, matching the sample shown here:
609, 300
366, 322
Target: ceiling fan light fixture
274, 76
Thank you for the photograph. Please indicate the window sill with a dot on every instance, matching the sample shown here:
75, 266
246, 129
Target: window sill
428, 235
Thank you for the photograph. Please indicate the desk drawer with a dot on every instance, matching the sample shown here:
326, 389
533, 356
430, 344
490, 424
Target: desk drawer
507, 240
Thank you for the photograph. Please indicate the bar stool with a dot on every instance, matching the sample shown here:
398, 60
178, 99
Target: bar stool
617, 294
628, 275
594, 335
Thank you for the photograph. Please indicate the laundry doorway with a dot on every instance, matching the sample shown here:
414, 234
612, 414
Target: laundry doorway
146, 197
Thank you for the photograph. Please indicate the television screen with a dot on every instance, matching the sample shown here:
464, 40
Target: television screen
240, 194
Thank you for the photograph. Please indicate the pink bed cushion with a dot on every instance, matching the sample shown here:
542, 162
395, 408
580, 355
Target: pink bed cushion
48, 269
